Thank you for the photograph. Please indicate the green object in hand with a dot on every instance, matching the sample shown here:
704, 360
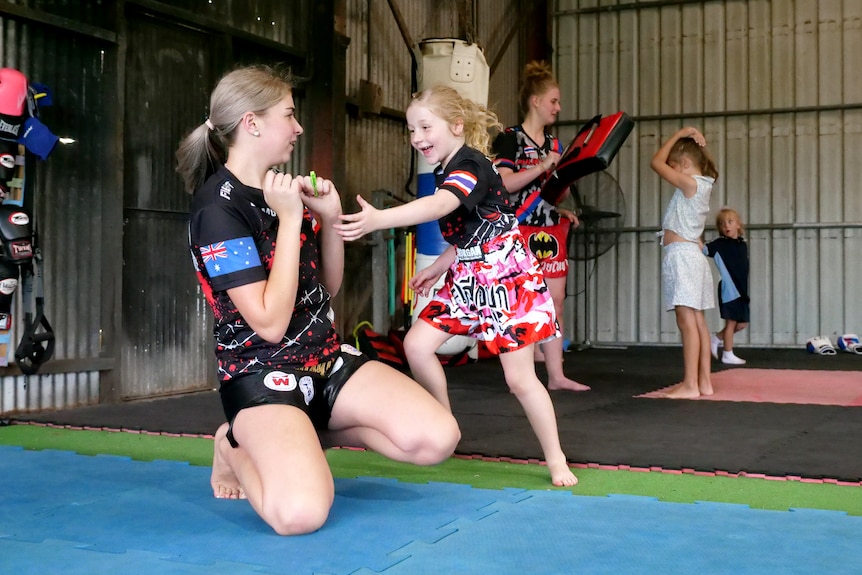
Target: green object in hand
314, 182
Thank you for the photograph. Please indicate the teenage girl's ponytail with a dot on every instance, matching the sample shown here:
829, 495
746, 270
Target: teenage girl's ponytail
198, 157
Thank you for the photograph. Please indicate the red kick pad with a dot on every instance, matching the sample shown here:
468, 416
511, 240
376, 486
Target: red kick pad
591, 150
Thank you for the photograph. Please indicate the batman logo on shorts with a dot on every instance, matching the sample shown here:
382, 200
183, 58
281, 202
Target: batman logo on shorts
543, 245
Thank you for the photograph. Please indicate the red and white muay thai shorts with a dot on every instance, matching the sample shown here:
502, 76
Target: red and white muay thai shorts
495, 292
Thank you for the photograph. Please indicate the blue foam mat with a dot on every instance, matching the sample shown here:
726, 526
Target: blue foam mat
62, 512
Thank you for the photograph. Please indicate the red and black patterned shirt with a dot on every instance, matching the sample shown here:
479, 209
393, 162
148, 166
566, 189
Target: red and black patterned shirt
232, 241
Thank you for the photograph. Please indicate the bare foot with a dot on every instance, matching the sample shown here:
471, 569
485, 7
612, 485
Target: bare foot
705, 388
223, 480
561, 475
681, 391
566, 384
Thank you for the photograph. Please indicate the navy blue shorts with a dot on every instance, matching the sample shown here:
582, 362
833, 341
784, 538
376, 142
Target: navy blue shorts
313, 390
736, 310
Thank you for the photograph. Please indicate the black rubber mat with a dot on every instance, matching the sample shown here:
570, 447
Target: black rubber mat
607, 425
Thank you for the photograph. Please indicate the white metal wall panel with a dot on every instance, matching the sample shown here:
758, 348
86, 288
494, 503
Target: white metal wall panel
494, 21
774, 86
22, 394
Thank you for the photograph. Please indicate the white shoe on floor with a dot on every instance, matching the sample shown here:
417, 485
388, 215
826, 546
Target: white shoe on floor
714, 342
730, 358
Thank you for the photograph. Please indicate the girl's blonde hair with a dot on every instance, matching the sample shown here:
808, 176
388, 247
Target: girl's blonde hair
538, 79
696, 153
249, 89
723, 214
446, 103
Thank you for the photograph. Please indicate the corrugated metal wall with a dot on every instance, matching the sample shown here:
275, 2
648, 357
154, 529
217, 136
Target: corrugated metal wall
773, 86
494, 26
129, 79
66, 192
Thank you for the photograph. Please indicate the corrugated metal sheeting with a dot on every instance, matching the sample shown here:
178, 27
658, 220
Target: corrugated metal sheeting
45, 392
774, 88
127, 313
66, 193
494, 26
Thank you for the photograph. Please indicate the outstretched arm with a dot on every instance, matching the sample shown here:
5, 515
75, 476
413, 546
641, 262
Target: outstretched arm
421, 210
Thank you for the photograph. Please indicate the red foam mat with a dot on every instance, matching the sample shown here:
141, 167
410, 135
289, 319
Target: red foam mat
842, 388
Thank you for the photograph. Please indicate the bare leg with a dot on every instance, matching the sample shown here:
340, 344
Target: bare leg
704, 366
420, 346
224, 482
553, 350
384, 410
281, 467
687, 321
525, 385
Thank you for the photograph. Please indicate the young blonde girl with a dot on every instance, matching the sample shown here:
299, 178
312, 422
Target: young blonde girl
730, 253
683, 162
494, 289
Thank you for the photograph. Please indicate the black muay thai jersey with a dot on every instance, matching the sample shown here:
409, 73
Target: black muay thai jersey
232, 240
485, 211
515, 150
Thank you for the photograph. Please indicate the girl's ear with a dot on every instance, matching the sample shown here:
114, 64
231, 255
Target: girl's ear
248, 122
457, 128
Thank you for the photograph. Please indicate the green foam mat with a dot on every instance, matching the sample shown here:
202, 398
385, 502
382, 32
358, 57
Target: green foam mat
347, 463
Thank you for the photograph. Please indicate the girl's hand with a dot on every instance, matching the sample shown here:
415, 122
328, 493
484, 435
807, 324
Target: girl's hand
282, 194
550, 161
354, 226
694, 133
569, 215
321, 197
424, 280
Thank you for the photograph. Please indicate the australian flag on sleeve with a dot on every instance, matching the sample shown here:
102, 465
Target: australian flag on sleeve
230, 256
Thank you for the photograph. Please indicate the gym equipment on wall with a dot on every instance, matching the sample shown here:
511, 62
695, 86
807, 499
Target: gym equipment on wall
22, 135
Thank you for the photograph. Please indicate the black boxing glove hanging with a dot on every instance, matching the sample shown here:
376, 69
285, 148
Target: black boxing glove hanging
16, 234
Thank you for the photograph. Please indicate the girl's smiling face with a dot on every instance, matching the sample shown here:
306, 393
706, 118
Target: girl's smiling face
432, 136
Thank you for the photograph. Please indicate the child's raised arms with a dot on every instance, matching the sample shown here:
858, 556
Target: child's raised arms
679, 172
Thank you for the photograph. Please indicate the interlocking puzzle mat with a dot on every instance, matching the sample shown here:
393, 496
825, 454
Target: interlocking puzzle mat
811, 387
63, 512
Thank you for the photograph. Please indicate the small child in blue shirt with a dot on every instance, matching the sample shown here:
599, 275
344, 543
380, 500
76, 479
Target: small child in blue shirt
730, 252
